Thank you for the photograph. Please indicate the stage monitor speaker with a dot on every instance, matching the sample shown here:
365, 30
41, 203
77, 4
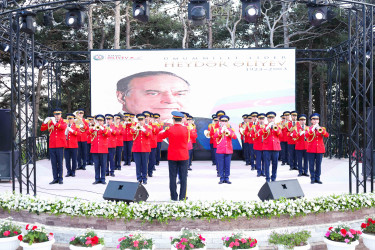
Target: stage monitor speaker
125, 191
289, 189
6, 164
5, 131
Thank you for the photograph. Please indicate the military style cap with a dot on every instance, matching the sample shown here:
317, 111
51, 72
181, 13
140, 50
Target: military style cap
177, 114
80, 110
117, 116
126, 114
261, 115
314, 115
156, 115
189, 117
254, 114
132, 115
57, 111
146, 113
302, 117
213, 116
70, 116
90, 117
108, 116
286, 113
294, 113
244, 116
271, 114
224, 118
220, 113
140, 116
99, 117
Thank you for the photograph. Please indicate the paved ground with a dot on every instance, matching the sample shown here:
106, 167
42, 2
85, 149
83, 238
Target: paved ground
202, 182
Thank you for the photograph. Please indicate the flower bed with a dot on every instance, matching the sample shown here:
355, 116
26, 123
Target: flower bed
163, 212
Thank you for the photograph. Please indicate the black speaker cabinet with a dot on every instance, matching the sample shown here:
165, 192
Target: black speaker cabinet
125, 191
289, 189
5, 131
6, 164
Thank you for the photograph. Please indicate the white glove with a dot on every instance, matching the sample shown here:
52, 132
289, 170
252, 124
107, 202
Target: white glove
47, 120
53, 119
291, 134
81, 126
101, 127
241, 130
301, 133
110, 129
71, 130
143, 129
315, 126
268, 126
162, 131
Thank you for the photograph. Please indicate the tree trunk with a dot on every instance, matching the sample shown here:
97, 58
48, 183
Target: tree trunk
37, 99
310, 87
101, 45
127, 20
90, 39
323, 102
285, 24
210, 42
117, 25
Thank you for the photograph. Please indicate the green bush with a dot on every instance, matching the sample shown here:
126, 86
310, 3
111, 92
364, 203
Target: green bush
290, 240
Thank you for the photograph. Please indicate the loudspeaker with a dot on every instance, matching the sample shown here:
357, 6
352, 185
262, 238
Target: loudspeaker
6, 164
5, 131
289, 189
125, 191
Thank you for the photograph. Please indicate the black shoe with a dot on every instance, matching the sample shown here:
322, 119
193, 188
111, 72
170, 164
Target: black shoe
247, 164
145, 182
304, 174
54, 182
140, 182
61, 182
299, 175
213, 164
84, 168
129, 164
258, 175
119, 169
319, 182
73, 175
68, 175
290, 169
107, 174
312, 182
157, 164
149, 175
154, 169
103, 182
113, 175
96, 182
282, 164
190, 169
125, 164
228, 182
218, 175
221, 182
252, 168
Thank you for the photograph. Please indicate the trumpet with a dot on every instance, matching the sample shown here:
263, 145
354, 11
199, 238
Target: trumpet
275, 128
320, 130
226, 132
97, 126
138, 126
128, 120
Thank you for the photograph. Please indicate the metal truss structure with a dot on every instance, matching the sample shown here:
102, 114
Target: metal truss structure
354, 56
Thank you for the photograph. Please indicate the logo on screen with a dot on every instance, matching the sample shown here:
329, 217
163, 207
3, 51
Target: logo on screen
98, 57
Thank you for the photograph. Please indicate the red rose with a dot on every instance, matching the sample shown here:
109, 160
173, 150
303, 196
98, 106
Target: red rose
20, 238
330, 228
51, 234
343, 231
364, 225
27, 227
370, 221
34, 227
15, 232
95, 240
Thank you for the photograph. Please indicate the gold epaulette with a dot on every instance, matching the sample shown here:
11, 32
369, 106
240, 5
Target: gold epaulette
209, 125
166, 128
149, 126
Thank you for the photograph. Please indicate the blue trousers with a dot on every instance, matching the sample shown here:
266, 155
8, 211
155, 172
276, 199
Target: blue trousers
179, 167
151, 161
223, 161
302, 157
56, 156
213, 153
111, 160
315, 165
70, 160
190, 156
90, 161
271, 156
217, 169
252, 155
158, 153
292, 156
260, 164
100, 162
141, 162
118, 157
128, 145
82, 153
246, 152
284, 152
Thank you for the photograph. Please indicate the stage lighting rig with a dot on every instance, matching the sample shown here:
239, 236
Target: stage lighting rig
48, 19
251, 10
75, 16
3, 4
27, 22
4, 47
199, 11
319, 13
141, 10
39, 62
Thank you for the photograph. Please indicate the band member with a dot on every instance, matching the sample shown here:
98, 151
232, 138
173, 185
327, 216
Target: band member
224, 136
119, 141
112, 143
82, 139
252, 122
284, 138
247, 140
99, 148
241, 129
153, 144
271, 146
141, 147
258, 145
127, 138
91, 123
178, 156
292, 125
159, 140
211, 136
299, 135
315, 147
71, 148
193, 138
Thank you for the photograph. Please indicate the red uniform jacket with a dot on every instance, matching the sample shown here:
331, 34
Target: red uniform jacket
160, 126
88, 137
290, 129
83, 135
56, 133
193, 137
127, 135
256, 134
301, 140
99, 141
284, 131
224, 143
71, 138
248, 132
154, 135
141, 139
119, 136
178, 136
211, 135
271, 139
240, 126
315, 142
213, 129
112, 140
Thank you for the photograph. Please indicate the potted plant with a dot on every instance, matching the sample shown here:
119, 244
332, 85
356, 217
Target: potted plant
9, 233
188, 240
136, 242
297, 240
238, 241
36, 238
87, 240
368, 233
341, 237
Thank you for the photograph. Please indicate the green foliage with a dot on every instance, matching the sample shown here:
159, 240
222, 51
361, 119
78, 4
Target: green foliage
290, 240
36, 234
188, 240
135, 242
9, 229
88, 239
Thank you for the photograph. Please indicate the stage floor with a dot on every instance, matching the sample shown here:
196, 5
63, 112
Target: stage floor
202, 182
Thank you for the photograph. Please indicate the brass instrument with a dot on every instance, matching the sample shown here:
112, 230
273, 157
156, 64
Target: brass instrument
97, 126
138, 126
226, 132
320, 130
275, 128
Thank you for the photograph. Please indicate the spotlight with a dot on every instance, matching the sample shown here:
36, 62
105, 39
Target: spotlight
4, 47
28, 24
199, 11
141, 10
48, 19
319, 14
251, 10
75, 17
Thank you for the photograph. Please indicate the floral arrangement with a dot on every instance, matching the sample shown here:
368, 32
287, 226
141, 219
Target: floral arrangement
188, 239
35, 234
222, 210
342, 233
290, 240
136, 241
238, 241
8, 229
369, 226
88, 239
